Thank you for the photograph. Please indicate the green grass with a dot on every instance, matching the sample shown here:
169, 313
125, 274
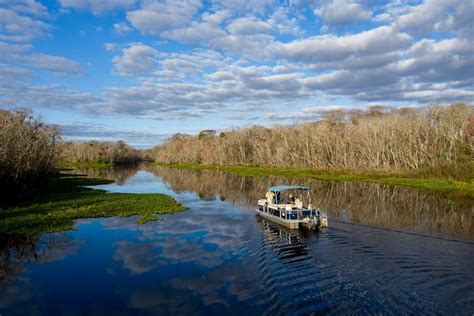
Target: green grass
458, 187
95, 165
55, 208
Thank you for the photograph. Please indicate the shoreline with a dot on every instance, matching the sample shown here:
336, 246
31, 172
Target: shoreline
457, 187
69, 197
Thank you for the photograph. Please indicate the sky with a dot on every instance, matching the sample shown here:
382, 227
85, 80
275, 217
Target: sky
142, 70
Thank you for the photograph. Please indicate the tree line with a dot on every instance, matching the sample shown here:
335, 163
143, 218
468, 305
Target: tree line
28, 151
374, 139
117, 153
379, 139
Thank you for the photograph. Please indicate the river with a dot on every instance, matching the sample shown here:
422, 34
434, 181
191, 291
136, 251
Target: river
388, 250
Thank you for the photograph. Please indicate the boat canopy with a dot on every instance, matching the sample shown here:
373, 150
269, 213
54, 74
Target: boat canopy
279, 188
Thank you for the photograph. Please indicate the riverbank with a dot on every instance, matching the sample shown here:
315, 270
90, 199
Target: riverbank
65, 199
95, 165
411, 180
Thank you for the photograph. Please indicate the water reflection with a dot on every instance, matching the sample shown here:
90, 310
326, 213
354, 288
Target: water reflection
219, 257
18, 250
372, 204
120, 174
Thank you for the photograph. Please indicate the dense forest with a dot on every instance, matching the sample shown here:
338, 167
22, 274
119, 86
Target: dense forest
378, 139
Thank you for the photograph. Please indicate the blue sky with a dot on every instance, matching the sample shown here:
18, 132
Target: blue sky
142, 70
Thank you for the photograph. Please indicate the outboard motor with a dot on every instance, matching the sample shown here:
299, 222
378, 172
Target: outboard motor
323, 220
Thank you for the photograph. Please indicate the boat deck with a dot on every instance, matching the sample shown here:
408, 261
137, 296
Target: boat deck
292, 224
292, 216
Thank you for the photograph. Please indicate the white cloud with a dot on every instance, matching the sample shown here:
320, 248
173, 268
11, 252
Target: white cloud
248, 25
195, 33
324, 49
9, 73
48, 96
111, 46
98, 6
254, 47
427, 71
56, 64
156, 17
337, 13
433, 16
281, 21
20, 28
137, 59
217, 17
24, 55
28, 7
252, 6
239, 52
122, 28
203, 31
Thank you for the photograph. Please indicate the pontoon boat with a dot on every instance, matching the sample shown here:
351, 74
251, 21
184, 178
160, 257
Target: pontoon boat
291, 211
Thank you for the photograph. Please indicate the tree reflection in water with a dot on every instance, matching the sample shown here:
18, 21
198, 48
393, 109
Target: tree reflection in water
18, 250
119, 174
387, 206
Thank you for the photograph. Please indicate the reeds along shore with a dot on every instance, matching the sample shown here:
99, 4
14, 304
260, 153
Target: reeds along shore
116, 153
378, 139
28, 151
31, 150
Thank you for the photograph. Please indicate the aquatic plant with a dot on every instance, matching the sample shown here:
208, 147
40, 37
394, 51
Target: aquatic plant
65, 199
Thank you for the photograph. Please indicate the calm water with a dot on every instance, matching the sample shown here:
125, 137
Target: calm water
389, 250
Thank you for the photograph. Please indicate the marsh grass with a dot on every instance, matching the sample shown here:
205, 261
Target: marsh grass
95, 165
65, 199
422, 181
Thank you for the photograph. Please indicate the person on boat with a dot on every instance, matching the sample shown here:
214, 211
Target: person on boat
270, 196
291, 199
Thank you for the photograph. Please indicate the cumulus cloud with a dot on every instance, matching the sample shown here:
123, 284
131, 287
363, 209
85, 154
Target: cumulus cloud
156, 17
137, 59
282, 22
46, 96
220, 56
248, 25
97, 6
195, 33
202, 31
252, 6
28, 7
24, 55
111, 46
17, 27
338, 13
122, 28
433, 16
252, 46
323, 49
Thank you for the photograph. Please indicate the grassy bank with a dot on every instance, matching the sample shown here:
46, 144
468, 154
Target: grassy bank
95, 165
55, 208
412, 180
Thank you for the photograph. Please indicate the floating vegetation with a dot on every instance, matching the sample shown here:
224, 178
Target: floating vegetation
65, 199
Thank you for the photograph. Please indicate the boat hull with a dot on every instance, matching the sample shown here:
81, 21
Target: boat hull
291, 224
